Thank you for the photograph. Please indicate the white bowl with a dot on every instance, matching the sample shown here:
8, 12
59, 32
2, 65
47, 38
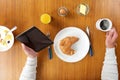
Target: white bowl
7, 39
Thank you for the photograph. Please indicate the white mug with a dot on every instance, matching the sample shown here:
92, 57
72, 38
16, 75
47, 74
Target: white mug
104, 24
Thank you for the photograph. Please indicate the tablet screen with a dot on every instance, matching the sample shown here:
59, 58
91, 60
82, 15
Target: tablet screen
34, 39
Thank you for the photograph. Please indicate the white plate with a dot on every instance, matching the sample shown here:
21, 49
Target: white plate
8, 46
81, 47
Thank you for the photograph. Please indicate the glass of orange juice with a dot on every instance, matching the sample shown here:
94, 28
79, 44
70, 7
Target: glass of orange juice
45, 18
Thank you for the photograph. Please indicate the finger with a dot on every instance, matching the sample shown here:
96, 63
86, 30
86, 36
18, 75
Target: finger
108, 38
111, 32
115, 35
107, 34
113, 28
24, 46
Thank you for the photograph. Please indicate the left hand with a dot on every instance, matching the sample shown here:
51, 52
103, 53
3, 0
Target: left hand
29, 52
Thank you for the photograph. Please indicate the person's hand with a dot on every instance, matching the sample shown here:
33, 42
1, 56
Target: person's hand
111, 38
29, 52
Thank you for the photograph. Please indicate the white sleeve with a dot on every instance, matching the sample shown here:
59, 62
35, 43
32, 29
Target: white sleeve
110, 69
29, 70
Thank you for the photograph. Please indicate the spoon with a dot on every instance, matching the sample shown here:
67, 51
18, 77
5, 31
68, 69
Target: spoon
11, 30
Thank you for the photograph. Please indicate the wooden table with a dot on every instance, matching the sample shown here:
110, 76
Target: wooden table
26, 13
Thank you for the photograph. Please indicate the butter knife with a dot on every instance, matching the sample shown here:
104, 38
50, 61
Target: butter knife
90, 49
49, 48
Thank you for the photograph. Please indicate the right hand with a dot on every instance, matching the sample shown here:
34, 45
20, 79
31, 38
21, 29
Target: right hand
29, 52
111, 38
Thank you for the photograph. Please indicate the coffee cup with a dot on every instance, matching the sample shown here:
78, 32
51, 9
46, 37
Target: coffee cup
104, 24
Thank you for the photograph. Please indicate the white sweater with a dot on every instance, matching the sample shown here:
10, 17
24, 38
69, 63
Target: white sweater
29, 70
109, 71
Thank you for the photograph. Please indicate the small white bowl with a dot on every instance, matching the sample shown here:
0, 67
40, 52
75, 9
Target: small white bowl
4, 43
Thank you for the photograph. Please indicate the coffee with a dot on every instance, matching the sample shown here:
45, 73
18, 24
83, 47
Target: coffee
104, 24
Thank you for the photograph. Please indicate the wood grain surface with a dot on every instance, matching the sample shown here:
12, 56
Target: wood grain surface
26, 13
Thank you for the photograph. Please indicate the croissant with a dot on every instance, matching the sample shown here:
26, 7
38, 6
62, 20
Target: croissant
66, 43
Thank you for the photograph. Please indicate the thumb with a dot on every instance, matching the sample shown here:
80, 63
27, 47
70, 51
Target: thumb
23, 46
111, 33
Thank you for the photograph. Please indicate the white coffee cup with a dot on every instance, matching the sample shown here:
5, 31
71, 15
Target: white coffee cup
104, 24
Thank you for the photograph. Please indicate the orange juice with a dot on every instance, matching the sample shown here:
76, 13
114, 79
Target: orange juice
45, 18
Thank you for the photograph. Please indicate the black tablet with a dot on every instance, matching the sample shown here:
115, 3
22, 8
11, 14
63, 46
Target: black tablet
34, 39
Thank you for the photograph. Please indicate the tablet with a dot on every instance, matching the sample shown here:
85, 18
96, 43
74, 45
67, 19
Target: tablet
35, 39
